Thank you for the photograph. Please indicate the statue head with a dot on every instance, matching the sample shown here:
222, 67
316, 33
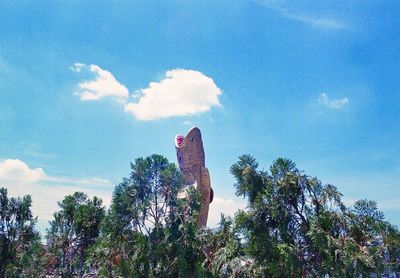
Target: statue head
189, 149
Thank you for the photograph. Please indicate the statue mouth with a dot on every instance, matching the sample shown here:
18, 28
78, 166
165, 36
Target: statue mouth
179, 140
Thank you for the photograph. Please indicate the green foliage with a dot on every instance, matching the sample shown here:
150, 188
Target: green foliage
20, 248
74, 229
295, 226
148, 232
183, 238
226, 254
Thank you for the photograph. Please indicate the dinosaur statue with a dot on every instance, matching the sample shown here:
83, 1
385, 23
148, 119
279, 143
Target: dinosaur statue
191, 160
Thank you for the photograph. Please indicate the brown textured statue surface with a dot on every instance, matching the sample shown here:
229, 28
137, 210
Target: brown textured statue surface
191, 160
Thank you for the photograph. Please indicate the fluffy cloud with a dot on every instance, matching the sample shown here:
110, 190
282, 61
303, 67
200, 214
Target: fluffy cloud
332, 103
225, 206
103, 85
182, 92
15, 170
46, 191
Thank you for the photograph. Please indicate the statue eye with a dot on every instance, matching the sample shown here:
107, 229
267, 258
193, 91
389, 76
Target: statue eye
191, 139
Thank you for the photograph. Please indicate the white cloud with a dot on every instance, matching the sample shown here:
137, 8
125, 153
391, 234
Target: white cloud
77, 67
321, 22
34, 150
46, 191
76, 181
318, 22
103, 85
332, 103
188, 123
348, 202
225, 206
182, 92
15, 170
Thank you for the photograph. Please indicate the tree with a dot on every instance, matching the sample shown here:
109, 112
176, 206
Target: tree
295, 226
185, 241
227, 257
148, 232
74, 229
20, 248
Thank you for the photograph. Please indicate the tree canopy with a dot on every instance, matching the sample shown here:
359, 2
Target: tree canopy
293, 226
74, 229
20, 247
148, 232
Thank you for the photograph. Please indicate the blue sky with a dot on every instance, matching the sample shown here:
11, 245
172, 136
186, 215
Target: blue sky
85, 88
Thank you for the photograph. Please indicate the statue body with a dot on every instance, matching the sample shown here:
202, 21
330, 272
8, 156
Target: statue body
191, 160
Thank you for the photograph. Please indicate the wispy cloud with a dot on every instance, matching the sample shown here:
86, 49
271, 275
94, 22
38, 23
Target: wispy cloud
77, 67
324, 100
34, 150
47, 190
188, 123
182, 92
317, 21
